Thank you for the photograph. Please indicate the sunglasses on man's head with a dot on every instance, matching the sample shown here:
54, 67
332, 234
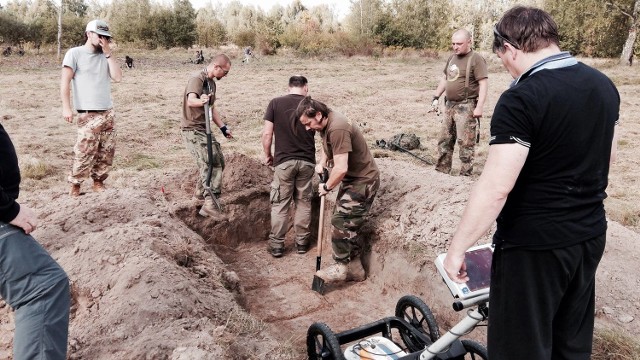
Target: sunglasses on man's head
497, 34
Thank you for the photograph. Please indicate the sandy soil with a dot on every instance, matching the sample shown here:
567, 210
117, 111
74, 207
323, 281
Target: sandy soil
153, 280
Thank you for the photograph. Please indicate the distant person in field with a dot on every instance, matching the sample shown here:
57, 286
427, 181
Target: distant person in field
247, 54
199, 57
201, 90
128, 62
89, 70
465, 84
544, 182
31, 281
294, 163
356, 176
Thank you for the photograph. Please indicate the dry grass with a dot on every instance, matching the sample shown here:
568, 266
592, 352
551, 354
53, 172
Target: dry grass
613, 345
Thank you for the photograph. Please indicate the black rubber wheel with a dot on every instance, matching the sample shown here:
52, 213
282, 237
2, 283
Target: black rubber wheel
322, 343
419, 316
475, 351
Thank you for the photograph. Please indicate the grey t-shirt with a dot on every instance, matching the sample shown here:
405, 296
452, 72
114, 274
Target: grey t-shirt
91, 83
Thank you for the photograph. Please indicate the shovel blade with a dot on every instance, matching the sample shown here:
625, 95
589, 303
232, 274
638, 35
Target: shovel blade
318, 285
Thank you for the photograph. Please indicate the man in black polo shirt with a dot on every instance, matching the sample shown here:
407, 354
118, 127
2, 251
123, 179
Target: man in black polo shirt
552, 140
294, 163
31, 282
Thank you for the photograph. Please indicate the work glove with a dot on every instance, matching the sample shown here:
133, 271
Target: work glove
434, 105
226, 132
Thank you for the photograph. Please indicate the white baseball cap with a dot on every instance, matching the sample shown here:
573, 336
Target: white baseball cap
99, 27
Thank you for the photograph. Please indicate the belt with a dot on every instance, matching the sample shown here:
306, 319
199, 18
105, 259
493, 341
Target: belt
465, 101
90, 111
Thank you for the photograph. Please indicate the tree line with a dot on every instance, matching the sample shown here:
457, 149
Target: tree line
588, 27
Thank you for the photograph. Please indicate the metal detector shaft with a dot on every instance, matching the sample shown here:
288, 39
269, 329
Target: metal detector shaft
412, 154
207, 185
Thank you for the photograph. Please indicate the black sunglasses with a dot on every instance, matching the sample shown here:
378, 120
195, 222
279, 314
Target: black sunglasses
504, 38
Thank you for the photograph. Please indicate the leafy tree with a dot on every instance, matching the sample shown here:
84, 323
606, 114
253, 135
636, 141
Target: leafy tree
209, 28
183, 27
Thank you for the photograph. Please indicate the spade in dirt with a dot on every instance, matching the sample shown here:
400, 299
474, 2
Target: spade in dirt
207, 120
318, 283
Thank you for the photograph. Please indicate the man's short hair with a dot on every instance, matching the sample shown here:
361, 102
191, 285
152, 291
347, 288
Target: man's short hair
526, 28
297, 81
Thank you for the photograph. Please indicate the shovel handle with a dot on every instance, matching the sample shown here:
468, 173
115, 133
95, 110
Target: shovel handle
320, 232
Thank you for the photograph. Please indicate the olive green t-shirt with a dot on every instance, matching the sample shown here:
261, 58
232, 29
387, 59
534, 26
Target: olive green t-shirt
193, 117
341, 137
456, 72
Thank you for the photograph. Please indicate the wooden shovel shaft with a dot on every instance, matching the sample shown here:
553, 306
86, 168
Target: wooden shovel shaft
320, 231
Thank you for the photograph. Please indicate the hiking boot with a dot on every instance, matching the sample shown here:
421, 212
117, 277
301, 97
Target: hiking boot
334, 273
276, 252
75, 190
209, 208
302, 248
355, 271
98, 186
198, 195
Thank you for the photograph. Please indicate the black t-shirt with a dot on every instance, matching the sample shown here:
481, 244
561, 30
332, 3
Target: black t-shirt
9, 178
290, 144
566, 117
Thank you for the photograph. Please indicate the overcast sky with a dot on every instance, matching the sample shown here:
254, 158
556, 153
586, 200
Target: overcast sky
341, 7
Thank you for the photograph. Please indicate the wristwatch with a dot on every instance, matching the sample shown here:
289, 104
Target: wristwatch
324, 186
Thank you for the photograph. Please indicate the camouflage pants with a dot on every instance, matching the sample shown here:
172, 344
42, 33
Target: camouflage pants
291, 184
95, 146
459, 124
353, 203
196, 142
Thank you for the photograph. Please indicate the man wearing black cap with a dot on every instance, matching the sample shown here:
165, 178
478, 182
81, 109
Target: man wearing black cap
90, 69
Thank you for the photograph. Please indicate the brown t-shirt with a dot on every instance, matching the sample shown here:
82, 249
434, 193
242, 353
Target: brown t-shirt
292, 142
456, 72
341, 137
193, 117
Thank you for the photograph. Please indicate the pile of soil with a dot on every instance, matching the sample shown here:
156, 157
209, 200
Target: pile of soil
153, 280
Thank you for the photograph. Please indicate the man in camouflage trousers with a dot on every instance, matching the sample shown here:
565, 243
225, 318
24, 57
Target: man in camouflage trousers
193, 127
357, 175
91, 68
465, 82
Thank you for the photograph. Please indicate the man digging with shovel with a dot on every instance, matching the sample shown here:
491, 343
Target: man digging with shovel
357, 177
199, 95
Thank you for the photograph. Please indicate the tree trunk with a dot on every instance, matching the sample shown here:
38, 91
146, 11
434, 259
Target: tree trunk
626, 58
60, 29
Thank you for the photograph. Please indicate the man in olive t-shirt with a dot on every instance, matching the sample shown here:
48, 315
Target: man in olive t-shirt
465, 82
358, 177
201, 91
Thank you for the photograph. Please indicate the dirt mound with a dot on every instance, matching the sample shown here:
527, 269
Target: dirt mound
152, 279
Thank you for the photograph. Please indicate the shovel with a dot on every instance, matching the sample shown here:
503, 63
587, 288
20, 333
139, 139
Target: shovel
318, 283
207, 117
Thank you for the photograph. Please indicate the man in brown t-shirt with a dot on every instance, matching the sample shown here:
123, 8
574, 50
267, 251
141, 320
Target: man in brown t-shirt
357, 175
201, 90
294, 161
465, 82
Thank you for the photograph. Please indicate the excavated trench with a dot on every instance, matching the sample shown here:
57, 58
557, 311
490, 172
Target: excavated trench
278, 291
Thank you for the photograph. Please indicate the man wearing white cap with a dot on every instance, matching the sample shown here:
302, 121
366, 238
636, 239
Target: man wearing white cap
89, 70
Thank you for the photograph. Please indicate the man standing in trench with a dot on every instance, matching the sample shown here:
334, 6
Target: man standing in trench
465, 82
295, 158
91, 68
193, 128
357, 177
544, 181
